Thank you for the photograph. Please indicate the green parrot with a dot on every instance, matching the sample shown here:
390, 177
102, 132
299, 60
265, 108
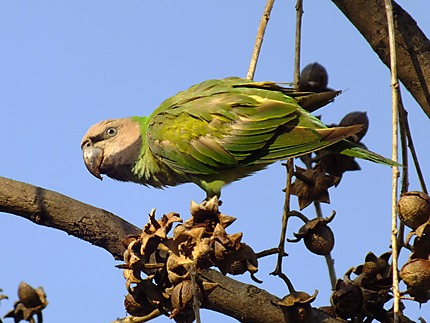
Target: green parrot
214, 133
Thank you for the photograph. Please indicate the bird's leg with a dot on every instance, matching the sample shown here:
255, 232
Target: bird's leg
285, 215
210, 200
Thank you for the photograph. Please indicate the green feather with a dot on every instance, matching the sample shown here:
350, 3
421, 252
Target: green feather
220, 131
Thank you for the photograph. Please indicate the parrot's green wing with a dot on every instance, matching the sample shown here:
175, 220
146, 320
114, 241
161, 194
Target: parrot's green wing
223, 124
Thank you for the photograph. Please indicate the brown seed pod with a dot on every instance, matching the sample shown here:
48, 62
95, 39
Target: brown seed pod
320, 241
317, 235
237, 262
137, 309
31, 302
313, 78
346, 299
416, 273
420, 295
421, 248
356, 117
28, 295
414, 209
297, 306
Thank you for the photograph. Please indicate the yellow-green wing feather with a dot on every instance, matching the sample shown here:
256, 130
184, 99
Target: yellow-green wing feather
222, 124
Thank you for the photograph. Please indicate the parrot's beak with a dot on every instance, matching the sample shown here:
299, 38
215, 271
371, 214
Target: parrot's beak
93, 157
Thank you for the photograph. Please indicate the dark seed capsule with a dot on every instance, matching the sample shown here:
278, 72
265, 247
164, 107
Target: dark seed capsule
314, 78
356, 117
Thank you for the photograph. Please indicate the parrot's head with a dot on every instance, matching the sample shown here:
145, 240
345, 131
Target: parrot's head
112, 147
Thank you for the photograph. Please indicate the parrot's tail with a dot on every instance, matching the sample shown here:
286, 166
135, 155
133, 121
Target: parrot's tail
348, 148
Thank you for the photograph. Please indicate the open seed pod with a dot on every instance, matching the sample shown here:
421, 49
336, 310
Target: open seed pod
346, 299
297, 306
31, 302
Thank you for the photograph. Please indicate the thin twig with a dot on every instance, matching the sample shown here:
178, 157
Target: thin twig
404, 123
287, 282
196, 302
139, 319
290, 161
269, 252
328, 258
395, 169
259, 40
299, 14
285, 216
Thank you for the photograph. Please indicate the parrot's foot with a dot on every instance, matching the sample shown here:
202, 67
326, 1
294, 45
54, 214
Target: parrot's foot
211, 202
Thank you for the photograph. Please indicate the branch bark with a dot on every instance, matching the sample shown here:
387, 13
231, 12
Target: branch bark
51, 209
412, 45
107, 230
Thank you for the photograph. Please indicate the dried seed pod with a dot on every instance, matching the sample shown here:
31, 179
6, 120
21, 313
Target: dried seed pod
177, 268
375, 273
414, 209
28, 296
320, 240
141, 308
318, 237
2, 296
416, 273
31, 302
347, 299
297, 306
313, 78
182, 295
312, 185
420, 295
356, 117
237, 262
421, 248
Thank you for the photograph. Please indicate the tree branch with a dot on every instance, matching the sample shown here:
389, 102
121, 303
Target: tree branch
259, 40
106, 230
51, 209
412, 45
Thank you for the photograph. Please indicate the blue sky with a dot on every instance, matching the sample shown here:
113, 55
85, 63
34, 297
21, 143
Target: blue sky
67, 65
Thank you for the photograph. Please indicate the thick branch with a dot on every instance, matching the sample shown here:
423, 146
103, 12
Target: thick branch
106, 230
248, 303
412, 45
51, 209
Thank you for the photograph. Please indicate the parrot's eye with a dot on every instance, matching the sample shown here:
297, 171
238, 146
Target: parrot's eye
110, 132
86, 144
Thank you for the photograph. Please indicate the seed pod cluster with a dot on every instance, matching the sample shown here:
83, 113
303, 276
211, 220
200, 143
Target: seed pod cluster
414, 211
325, 168
366, 294
170, 262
